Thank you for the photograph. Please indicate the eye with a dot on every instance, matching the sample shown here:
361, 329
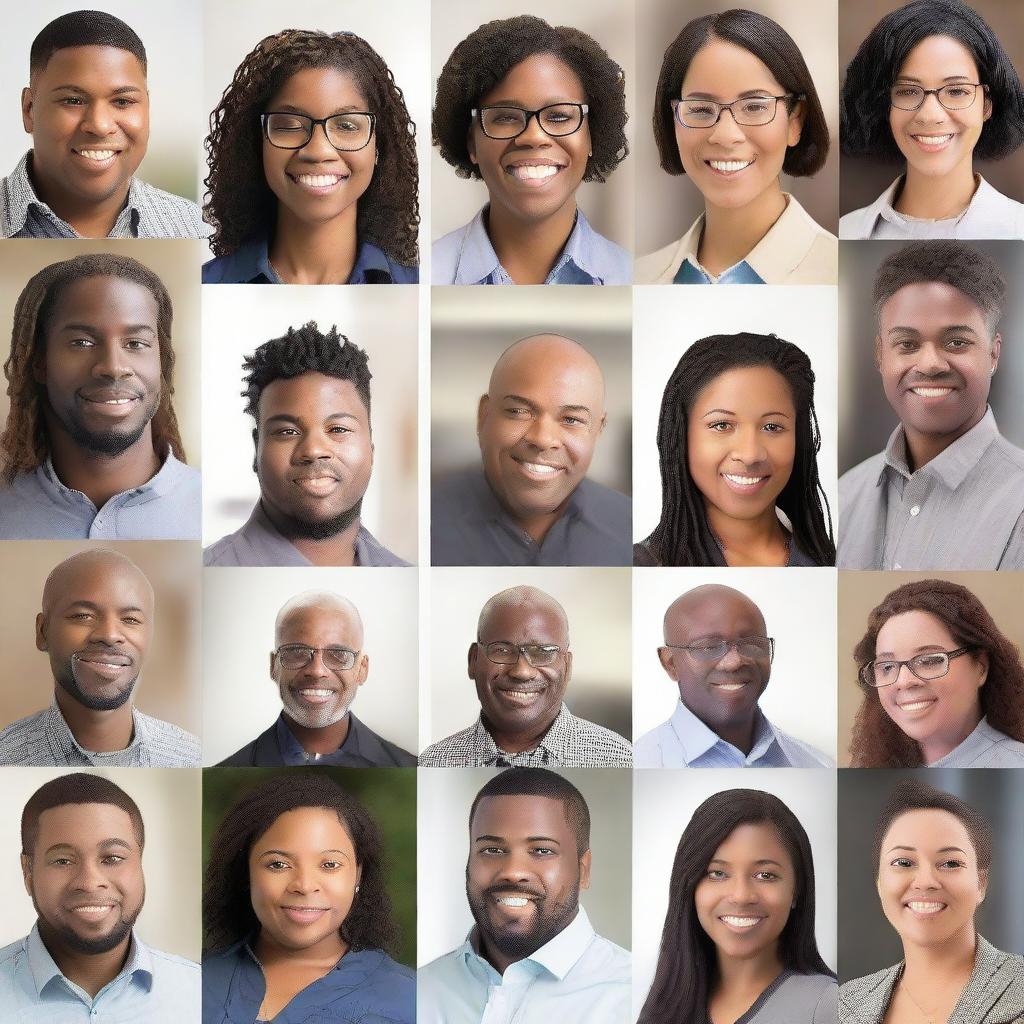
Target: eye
131, 620
276, 865
774, 428
137, 344
113, 858
715, 874
906, 345
124, 102
331, 865
79, 616
60, 862
928, 660
285, 432
339, 429
959, 344
952, 864
574, 421
720, 426
71, 101
82, 343
545, 851
901, 862
766, 876
516, 410
491, 851
885, 668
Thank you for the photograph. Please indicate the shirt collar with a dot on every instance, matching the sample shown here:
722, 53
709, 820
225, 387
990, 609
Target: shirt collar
268, 536
882, 207
44, 968
60, 732
250, 263
556, 741
981, 738
489, 508
697, 739
163, 482
292, 750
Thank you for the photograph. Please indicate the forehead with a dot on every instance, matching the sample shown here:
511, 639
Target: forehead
540, 78
753, 389
939, 57
753, 841
318, 626
527, 621
928, 830
97, 69
550, 372
931, 305
105, 300
107, 584
521, 817
312, 397
719, 613
84, 826
306, 829
723, 70
912, 629
319, 92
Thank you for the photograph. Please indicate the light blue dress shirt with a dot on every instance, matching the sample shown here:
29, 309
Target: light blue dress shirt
739, 273
153, 988
577, 976
684, 741
984, 748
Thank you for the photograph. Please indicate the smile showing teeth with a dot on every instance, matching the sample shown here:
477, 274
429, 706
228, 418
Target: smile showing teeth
741, 922
729, 687
316, 694
920, 907
730, 166
933, 140
534, 172
539, 467
512, 901
916, 705
97, 154
318, 180
931, 392
744, 481
94, 911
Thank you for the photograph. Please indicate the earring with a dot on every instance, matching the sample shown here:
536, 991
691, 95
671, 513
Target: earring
357, 888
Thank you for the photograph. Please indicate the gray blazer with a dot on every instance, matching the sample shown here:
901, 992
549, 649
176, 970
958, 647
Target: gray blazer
994, 995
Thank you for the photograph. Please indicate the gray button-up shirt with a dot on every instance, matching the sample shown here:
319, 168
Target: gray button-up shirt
962, 510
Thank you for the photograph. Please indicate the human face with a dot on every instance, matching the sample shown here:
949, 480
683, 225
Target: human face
88, 114
936, 357
313, 454
318, 696
734, 165
533, 176
101, 364
745, 897
934, 140
318, 183
524, 874
302, 879
928, 878
85, 877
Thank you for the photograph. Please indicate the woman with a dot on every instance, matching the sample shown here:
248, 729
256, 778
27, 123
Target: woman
943, 687
933, 854
741, 408
296, 914
533, 110
932, 86
312, 161
735, 107
738, 942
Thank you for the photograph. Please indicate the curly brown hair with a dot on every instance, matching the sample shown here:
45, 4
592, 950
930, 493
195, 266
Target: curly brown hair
240, 204
877, 741
24, 444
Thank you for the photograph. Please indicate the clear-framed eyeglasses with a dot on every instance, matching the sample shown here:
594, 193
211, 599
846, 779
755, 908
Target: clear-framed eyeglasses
345, 132
296, 656
537, 655
750, 111
933, 665
757, 648
507, 122
956, 96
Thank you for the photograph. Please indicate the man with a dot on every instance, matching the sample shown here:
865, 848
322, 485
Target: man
718, 653
532, 955
91, 447
96, 626
521, 664
948, 491
309, 394
530, 503
318, 664
87, 110
81, 858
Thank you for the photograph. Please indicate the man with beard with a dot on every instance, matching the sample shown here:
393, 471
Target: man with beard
96, 625
318, 664
81, 857
309, 393
91, 447
532, 953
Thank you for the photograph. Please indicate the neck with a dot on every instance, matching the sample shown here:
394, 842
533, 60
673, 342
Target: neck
731, 234
501, 961
931, 198
89, 219
936, 747
922, 448
338, 549
303, 253
528, 249
739, 734
519, 742
748, 974
760, 541
323, 954
954, 958
98, 731
319, 741
89, 971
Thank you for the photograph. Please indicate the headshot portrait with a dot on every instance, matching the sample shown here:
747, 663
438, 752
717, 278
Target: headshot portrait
97, 926
102, 142
728, 673
932, 337
734, 897
100, 433
312, 163
309, 895
545, 479
530, 905
534, 108
322, 669
737, 111
931, 94
306, 471
526, 644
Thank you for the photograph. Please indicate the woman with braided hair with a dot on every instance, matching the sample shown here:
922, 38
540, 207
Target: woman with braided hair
313, 173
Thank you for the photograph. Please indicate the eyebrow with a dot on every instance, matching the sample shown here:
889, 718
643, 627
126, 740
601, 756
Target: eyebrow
763, 860
93, 329
917, 81
945, 849
529, 839
119, 90
287, 417
533, 405
97, 608
948, 329
526, 106
923, 649
729, 412
102, 845
714, 99
288, 853
288, 108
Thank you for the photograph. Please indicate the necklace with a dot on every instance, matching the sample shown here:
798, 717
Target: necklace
929, 1015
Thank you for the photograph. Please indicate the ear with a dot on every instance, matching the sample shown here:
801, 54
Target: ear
987, 112
273, 665
600, 426
481, 412
982, 885
26, 871
568, 667
585, 870
362, 669
982, 660
797, 116
878, 353
995, 350
471, 144
667, 658
41, 644
256, 447
26, 109
474, 653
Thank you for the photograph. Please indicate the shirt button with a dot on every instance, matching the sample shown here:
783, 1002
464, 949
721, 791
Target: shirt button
916, 510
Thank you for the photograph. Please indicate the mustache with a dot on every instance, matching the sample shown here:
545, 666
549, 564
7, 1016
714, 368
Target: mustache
512, 890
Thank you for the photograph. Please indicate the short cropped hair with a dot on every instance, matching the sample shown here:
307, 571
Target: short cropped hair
83, 28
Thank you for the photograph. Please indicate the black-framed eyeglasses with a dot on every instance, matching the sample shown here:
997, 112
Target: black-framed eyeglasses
556, 119
750, 111
957, 96
753, 647
345, 132
296, 656
933, 665
538, 655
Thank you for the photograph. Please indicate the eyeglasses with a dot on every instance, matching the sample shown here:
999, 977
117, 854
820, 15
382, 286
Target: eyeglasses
958, 96
294, 656
537, 655
345, 132
926, 667
750, 111
754, 647
556, 120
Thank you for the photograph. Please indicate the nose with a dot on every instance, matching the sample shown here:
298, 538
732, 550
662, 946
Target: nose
905, 679
319, 148
514, 868
90, 876
312, 445
931, 110
107, 629
110, 362
542, 433
316, 668
303, 879
932, 360
522, 669
924, 876
726, 131
533, 135
741, 889
98, 119
732, 658
748, 447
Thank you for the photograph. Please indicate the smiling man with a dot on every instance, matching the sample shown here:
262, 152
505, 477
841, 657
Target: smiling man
948, 490
530, 503
81, 857
309, 393
533, 952
96, 625
87, 109
718, 653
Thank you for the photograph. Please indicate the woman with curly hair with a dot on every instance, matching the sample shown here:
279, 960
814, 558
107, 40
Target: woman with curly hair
943, 687
296, 912
313, 174
932, 85
532, 109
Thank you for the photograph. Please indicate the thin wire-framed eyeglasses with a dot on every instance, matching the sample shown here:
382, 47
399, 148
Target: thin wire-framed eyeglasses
956, 96
753, 647
538, 655
750, 111
296, 656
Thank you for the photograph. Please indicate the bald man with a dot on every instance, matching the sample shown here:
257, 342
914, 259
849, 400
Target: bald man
521, 665
96, 625
530, 503
718, 653
318, 664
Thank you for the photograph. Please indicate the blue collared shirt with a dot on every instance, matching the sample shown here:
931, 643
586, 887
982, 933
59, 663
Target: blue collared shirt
691, 272
466, 256
155, 987
684, 741
576, 976
984, 748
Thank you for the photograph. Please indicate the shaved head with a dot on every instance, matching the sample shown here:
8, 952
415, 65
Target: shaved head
87, 567
526, 598
324, 601
559, 355
684, 608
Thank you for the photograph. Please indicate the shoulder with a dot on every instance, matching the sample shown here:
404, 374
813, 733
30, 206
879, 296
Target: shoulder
1003, 217
614, 963
222, 270
858, 223
444, 254
803, 755
643, 556
433, 978
244, 757
172, 962
864, 474
650, 749
605, 748
400, 757
379, 751
169, 745
1008, 453
661, 267
451, 752
611, 263
602, 498
391, 971
23, 742
224, 551
867, 997
811, 988
168, 215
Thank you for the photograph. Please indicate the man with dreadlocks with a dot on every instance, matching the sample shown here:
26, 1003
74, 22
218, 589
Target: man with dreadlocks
91, 447
309, 393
